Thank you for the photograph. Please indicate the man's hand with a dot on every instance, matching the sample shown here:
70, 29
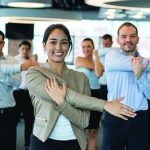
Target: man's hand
56, 92
138, 66
27, 64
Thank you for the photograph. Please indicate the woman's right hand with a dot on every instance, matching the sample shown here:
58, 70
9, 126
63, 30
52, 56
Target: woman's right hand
118, 109
95, 55
56, 92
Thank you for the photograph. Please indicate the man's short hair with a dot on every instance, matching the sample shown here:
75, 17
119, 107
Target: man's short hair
107, 36
127, 24
2, 34
25, 43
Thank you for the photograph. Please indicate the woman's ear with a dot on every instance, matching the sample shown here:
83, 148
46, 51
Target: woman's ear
44, 46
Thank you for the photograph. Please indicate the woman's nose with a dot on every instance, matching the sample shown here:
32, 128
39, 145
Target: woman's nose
58, 45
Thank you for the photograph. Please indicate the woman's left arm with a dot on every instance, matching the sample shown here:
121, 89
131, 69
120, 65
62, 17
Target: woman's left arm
36, 80
98, 66
78, 116
83, 62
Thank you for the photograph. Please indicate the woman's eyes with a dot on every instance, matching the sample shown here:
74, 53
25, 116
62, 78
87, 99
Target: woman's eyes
53, 42
65, 43
62, 43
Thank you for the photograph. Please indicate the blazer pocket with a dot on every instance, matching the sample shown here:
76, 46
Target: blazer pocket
40, 119
40, 125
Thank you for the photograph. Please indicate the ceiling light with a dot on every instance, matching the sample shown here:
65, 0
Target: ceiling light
116, 16
131, 12
111, 16
137, 17
129, 3
120, 4
27, 3
111, 11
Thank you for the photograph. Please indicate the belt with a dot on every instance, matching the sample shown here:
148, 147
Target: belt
103, 84
2, 110
141, 112
21, 90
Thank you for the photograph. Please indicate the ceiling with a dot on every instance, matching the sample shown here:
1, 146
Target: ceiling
74, 10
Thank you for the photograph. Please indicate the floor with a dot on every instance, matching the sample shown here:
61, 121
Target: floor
20, 135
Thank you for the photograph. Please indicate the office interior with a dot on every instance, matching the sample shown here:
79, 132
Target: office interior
82, 18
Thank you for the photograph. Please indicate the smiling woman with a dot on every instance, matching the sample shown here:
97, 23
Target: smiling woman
60, 127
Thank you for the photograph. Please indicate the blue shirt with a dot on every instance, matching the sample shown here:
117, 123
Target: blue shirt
122, 82
103, 52
93, 79
23, 84
9, 79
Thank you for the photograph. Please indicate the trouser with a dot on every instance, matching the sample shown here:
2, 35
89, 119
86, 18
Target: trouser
131, 133
51, 144
103, 95
103, 92
149, 119
24, 106
8, 129
95, 116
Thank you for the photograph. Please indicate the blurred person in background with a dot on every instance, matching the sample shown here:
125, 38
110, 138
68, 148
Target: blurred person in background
107, 40
93, 69
107, 44
23, 101
10, 78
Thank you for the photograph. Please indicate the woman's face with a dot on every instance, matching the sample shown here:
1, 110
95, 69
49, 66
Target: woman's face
57, 46
87, 48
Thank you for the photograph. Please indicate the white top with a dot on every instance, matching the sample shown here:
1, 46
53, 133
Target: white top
62, 130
